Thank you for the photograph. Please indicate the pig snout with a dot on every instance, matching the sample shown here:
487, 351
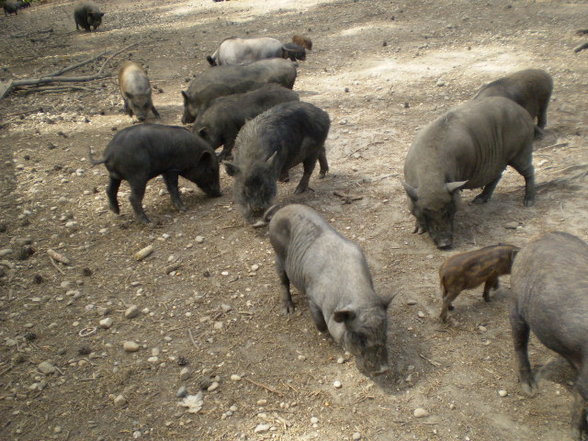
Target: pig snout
444, 243
374, 360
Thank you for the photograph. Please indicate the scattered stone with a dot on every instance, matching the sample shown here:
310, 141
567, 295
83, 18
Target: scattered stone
482, 328
106, 323
5, 252
226, 308
411, 302
130, 346
182, 392
261, 428
132, 312
235, 377
337, 384
440, 83
46, 368
421, 314
199, 239
225, 273
356, 436
153, 359
143, 253
511, 225
192, 402
213, 386
502, 393
185, 374
205, 383
84, 350
452, 406
120, 401
254, 267
261, 402
314, 420
419, 412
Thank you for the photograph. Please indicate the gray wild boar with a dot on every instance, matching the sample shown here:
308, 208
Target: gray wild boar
139, 153
302, 40
221, 122
227, 80
530, 88
469, 270
235, 50
10, 8
550, 289
333, 273
269, 145
135, 90
87, 16
468, 147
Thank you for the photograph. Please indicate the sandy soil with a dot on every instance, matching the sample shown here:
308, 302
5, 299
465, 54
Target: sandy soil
382, 70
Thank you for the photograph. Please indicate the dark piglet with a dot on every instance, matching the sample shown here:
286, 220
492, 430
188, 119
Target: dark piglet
87, 16
468, 147
10, 8
469, 270
269, 145
333, 273
550, 289
138, 154
135, 90
228, 80
221, 122
302, 40
529, 88
293, 52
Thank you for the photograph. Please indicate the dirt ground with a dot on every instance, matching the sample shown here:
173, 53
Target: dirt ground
208, 296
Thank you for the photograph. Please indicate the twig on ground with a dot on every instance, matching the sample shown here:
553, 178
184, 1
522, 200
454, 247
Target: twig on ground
263, 386
55, 265
434, 363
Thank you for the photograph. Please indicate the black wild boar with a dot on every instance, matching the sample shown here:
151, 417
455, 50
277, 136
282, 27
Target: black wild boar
227, 80
135, 90
333, 273
468, 147
235, 50
469, 270
550, 289
138, 154
22, 4
530, 88
10, 8
303, 41
272, 143
87, 16
221, 122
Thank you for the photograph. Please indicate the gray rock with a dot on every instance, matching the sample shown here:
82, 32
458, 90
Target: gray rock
46, 368
132, 312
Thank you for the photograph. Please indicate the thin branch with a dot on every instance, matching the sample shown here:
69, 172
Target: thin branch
115, 54
28, 34
75, 66
263, 386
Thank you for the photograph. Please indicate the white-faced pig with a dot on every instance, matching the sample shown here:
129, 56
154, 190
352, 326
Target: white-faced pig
135, 90
235, 50
333, 273
468, 147
221, 122
269, 145
549, 282
138, 154
227, 80
302, 40
87, 16
469, 270
530, 88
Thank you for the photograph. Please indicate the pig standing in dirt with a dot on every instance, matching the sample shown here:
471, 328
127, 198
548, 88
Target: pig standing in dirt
135, 90
227, 80
221, 122
87, 15
10, 8
468, 147
469, 270
235, 50
139, 153
550, 289
272, 143
530, 88
333, 273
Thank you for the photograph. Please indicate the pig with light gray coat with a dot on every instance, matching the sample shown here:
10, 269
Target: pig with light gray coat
235, 50
135, 90
468, 147
334, 274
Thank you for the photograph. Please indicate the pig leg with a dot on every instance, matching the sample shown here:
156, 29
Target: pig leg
491, 283
520, 335
486, 194
136, 199
171, 181
580, 409
155, 112
448, 298
127, 109
286, 294
112, 191
284, 176
324, 165
308, 166
317, 316
528, 172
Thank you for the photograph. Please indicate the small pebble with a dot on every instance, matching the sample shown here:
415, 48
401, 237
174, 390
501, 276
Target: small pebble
225, 273
421, 314
130, 346
511, 225
106, 323
337, 384
235, 377
199, 239
356, 436
46, 368
213, 386
254, 267
132, 312
340, 360
182, 392
185, 374
120, 400
419, 412
314, 420
411, 302
260, 428
502, 393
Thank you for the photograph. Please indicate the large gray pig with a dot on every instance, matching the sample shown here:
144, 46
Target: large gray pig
269, 145
227, 80
246, 50
135, 90
530, 88
221, 122
468, 147
550, 289
333, 273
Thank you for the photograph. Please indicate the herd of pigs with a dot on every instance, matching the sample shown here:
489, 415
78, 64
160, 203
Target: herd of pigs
245, 103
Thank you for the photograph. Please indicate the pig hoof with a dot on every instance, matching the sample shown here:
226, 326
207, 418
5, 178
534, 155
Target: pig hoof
450, 307
323, 173
288, 308
479, 200
529, 202
529, 388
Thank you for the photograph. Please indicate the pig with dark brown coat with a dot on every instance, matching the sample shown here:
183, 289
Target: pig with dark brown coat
333, 273
469, 270
468, 147
550, 289
136, 90
529, 88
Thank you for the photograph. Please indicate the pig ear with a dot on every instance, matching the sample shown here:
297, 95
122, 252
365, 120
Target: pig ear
129, 95
410, 191
344, 315
456, 185
202, 132
231, 169
207, 158
272, 158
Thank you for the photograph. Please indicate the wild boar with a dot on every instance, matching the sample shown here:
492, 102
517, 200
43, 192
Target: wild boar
469, 270
135, 90
221, 122
10, 8
227, 80
22, 4
303, 41
139, 153
549, 283
272, 143
530, 88
333, 273
235, 50
468, 147
87, 16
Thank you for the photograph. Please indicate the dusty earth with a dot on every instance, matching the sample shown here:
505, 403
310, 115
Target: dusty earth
210, 304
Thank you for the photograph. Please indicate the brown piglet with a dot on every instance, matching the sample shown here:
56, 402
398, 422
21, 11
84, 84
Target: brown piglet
469, 270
